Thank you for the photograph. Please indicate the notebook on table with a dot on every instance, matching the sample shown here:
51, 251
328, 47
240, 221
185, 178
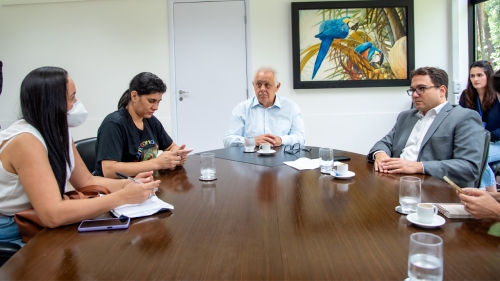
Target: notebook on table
453, 210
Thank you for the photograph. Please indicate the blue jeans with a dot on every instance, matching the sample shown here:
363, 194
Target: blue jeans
488, 178
9, 232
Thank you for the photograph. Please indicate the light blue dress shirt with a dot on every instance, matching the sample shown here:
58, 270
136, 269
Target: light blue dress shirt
283, 119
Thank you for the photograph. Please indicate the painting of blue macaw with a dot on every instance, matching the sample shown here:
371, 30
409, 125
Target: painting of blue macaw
328, 31
370, 53
334, 48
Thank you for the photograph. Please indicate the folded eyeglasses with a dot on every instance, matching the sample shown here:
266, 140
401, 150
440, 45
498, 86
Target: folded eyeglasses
294, 149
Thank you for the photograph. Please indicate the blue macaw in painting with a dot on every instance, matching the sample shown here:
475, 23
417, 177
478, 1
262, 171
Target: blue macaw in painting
329, 30
370, 52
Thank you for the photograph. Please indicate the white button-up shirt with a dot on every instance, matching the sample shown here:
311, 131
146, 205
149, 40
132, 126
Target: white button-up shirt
414, 143
282, 119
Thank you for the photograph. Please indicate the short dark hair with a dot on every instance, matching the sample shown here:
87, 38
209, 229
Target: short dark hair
438, 76
496, 81
144, 83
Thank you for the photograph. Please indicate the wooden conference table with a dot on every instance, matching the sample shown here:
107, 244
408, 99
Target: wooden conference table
260, 222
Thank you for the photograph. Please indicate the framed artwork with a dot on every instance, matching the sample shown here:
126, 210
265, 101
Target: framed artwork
346, 44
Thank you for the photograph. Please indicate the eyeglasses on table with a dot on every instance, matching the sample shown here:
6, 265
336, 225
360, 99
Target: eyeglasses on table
294, 149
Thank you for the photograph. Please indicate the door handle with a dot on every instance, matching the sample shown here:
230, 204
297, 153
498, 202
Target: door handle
181, 92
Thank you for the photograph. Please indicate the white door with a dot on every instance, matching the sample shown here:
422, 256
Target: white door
210, 70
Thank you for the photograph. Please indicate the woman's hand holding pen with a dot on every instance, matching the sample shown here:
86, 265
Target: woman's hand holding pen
144, 177
136, 193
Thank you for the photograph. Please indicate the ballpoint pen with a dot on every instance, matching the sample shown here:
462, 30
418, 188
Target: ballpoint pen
132, 179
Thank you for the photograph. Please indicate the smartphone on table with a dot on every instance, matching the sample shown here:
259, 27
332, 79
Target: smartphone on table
185, 151
104, 224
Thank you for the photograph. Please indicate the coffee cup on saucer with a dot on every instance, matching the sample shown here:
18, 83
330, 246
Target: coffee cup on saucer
426, 212
265, 147
342, 169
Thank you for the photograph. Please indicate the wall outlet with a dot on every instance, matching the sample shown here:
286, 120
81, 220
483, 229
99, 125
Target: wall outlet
457, 98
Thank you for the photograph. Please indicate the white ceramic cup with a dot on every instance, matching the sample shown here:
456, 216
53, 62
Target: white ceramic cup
265, 147
426, 212
342, 169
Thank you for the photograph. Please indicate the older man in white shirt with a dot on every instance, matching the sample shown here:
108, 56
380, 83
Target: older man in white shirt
268, 117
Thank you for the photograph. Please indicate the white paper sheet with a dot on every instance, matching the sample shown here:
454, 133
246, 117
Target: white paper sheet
151, 206
306, 163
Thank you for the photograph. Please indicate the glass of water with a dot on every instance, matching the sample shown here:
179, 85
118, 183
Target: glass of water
249, 142
409, 194
425, 260
326, 159
207, 166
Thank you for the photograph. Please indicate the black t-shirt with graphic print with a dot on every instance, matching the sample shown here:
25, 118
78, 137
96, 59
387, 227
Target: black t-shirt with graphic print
120, 140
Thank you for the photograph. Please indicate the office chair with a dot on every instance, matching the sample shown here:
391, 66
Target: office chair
495, 166
484, 159
86, 148
7, 250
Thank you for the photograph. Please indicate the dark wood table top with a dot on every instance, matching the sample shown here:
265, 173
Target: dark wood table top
264, 223
272, 160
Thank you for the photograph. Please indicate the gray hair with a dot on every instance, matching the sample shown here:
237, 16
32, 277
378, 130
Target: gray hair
268, 69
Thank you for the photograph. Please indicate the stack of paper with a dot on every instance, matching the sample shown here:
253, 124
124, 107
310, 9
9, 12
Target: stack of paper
151, 206
305, 163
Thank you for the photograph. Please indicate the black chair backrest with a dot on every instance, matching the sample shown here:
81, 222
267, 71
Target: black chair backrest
7, 250
86, 148
484, 160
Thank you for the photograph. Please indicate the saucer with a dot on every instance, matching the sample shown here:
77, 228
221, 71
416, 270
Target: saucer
436, 221
346, 176
202, 179
400, 210
253, 151
266, 153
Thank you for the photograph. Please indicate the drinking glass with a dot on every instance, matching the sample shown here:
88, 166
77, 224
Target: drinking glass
249, 142
409, 194
425, 260
207, 166
326, 159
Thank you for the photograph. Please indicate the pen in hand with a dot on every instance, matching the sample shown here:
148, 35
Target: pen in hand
458, 188
132, 179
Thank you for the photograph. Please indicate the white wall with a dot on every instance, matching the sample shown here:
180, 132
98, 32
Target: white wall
104, 43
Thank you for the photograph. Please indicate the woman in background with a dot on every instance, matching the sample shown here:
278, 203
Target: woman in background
38, 157
481, 97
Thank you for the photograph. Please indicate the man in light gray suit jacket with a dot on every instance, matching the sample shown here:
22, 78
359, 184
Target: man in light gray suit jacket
436, 138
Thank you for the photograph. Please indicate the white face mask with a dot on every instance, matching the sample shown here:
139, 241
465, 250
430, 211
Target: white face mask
77, 115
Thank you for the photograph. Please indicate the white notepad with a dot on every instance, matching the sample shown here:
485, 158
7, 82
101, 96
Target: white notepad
151, 206
453, 210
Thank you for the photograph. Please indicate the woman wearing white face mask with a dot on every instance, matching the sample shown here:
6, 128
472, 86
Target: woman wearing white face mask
38, 157
77, 115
